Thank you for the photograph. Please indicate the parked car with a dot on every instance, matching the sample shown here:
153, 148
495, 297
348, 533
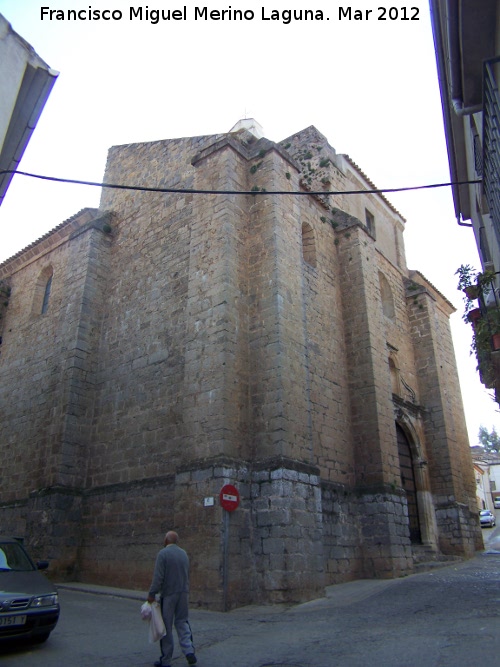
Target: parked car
496, 503
29, 606
487, 518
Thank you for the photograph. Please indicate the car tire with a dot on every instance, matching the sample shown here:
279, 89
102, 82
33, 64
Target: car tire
39, 639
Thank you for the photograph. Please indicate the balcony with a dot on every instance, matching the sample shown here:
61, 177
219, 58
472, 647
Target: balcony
491, 141
482, 310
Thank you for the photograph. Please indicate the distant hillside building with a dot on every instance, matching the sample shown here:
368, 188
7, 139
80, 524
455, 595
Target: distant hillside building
168, 344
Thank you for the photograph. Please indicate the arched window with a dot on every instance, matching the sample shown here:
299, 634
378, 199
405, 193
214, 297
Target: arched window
386, 296
41, 297
46, 295
308, 244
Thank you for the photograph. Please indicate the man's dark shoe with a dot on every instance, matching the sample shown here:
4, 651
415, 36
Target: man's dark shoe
159, 663
191, 658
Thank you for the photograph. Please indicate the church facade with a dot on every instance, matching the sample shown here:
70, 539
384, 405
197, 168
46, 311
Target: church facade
170, 343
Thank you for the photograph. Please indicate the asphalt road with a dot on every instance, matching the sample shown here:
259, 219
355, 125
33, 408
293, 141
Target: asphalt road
447, 617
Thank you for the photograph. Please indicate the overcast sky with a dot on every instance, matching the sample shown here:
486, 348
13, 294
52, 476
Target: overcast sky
369, 85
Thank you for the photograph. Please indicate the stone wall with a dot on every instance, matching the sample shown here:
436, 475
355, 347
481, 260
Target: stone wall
194, 340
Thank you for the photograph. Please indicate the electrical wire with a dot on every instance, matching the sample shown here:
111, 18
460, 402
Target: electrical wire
141, 188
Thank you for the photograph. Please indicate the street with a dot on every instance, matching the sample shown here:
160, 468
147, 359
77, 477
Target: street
447, 617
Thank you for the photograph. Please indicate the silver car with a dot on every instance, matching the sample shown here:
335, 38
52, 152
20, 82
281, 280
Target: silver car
487, 518
29, 606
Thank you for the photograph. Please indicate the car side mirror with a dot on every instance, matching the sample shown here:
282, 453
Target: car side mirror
42, 564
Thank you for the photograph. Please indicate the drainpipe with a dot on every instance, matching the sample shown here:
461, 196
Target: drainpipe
456, 91
460, 110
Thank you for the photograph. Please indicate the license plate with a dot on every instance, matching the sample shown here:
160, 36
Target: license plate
12, 620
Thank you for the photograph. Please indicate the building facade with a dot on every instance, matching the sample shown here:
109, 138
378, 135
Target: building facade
25, 85
487, 483
467, 44
169, 343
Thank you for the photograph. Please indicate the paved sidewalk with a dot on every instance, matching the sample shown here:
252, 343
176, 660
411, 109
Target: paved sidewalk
446, 617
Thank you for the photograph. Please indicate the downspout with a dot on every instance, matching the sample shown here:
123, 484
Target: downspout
456, 91
448, 60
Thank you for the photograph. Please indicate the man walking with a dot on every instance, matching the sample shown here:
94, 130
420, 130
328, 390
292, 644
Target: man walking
171, 581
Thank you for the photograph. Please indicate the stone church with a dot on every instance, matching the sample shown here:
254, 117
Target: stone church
206, 331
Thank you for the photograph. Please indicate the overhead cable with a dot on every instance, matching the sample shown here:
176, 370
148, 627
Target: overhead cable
142, 188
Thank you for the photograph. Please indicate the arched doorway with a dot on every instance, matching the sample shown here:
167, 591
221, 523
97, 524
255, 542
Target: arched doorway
408, 484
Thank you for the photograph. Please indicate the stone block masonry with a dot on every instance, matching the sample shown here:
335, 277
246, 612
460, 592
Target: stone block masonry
189, 341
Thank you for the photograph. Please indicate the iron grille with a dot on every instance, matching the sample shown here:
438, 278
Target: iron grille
491, 142
478, 156
19, 603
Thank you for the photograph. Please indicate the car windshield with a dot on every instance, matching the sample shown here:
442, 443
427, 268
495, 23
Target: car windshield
13, 557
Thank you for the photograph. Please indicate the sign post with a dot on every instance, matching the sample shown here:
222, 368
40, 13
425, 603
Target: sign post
229, 500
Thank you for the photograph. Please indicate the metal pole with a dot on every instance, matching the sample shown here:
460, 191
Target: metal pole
225, 564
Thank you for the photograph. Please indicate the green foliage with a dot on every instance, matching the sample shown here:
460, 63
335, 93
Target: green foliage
473, 285
467, 276
490, 440
254, 167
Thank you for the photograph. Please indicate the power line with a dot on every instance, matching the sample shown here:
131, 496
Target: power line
141, 188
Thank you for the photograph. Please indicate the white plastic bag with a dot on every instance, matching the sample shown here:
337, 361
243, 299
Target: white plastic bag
146, 611
156, 624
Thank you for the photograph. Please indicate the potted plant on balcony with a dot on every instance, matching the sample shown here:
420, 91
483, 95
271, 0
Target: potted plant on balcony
467, 281
493, 322
475, 286
468, 284
485, 343
485, 320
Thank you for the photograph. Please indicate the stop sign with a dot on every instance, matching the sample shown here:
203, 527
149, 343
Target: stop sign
229, 497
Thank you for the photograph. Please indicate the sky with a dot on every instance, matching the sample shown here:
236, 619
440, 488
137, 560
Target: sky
368, 83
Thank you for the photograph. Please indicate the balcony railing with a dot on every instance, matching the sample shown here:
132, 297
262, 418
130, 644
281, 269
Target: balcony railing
491, 142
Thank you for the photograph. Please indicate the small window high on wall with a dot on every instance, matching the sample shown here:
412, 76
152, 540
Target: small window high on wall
308, 244
43, 288
386, 296
46, 295
370, 222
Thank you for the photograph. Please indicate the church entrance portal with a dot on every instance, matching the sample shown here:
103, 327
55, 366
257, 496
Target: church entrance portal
408, 484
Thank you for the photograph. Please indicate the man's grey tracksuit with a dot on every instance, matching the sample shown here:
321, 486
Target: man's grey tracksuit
171, 581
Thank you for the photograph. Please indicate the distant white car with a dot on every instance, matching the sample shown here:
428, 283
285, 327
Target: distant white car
496, 503
487, 518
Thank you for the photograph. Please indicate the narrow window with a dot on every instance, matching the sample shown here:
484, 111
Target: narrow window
46, 296
370, 222
41, 296
386, 297
308, 244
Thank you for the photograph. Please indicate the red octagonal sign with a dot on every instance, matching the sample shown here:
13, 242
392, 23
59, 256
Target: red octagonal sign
229, 497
